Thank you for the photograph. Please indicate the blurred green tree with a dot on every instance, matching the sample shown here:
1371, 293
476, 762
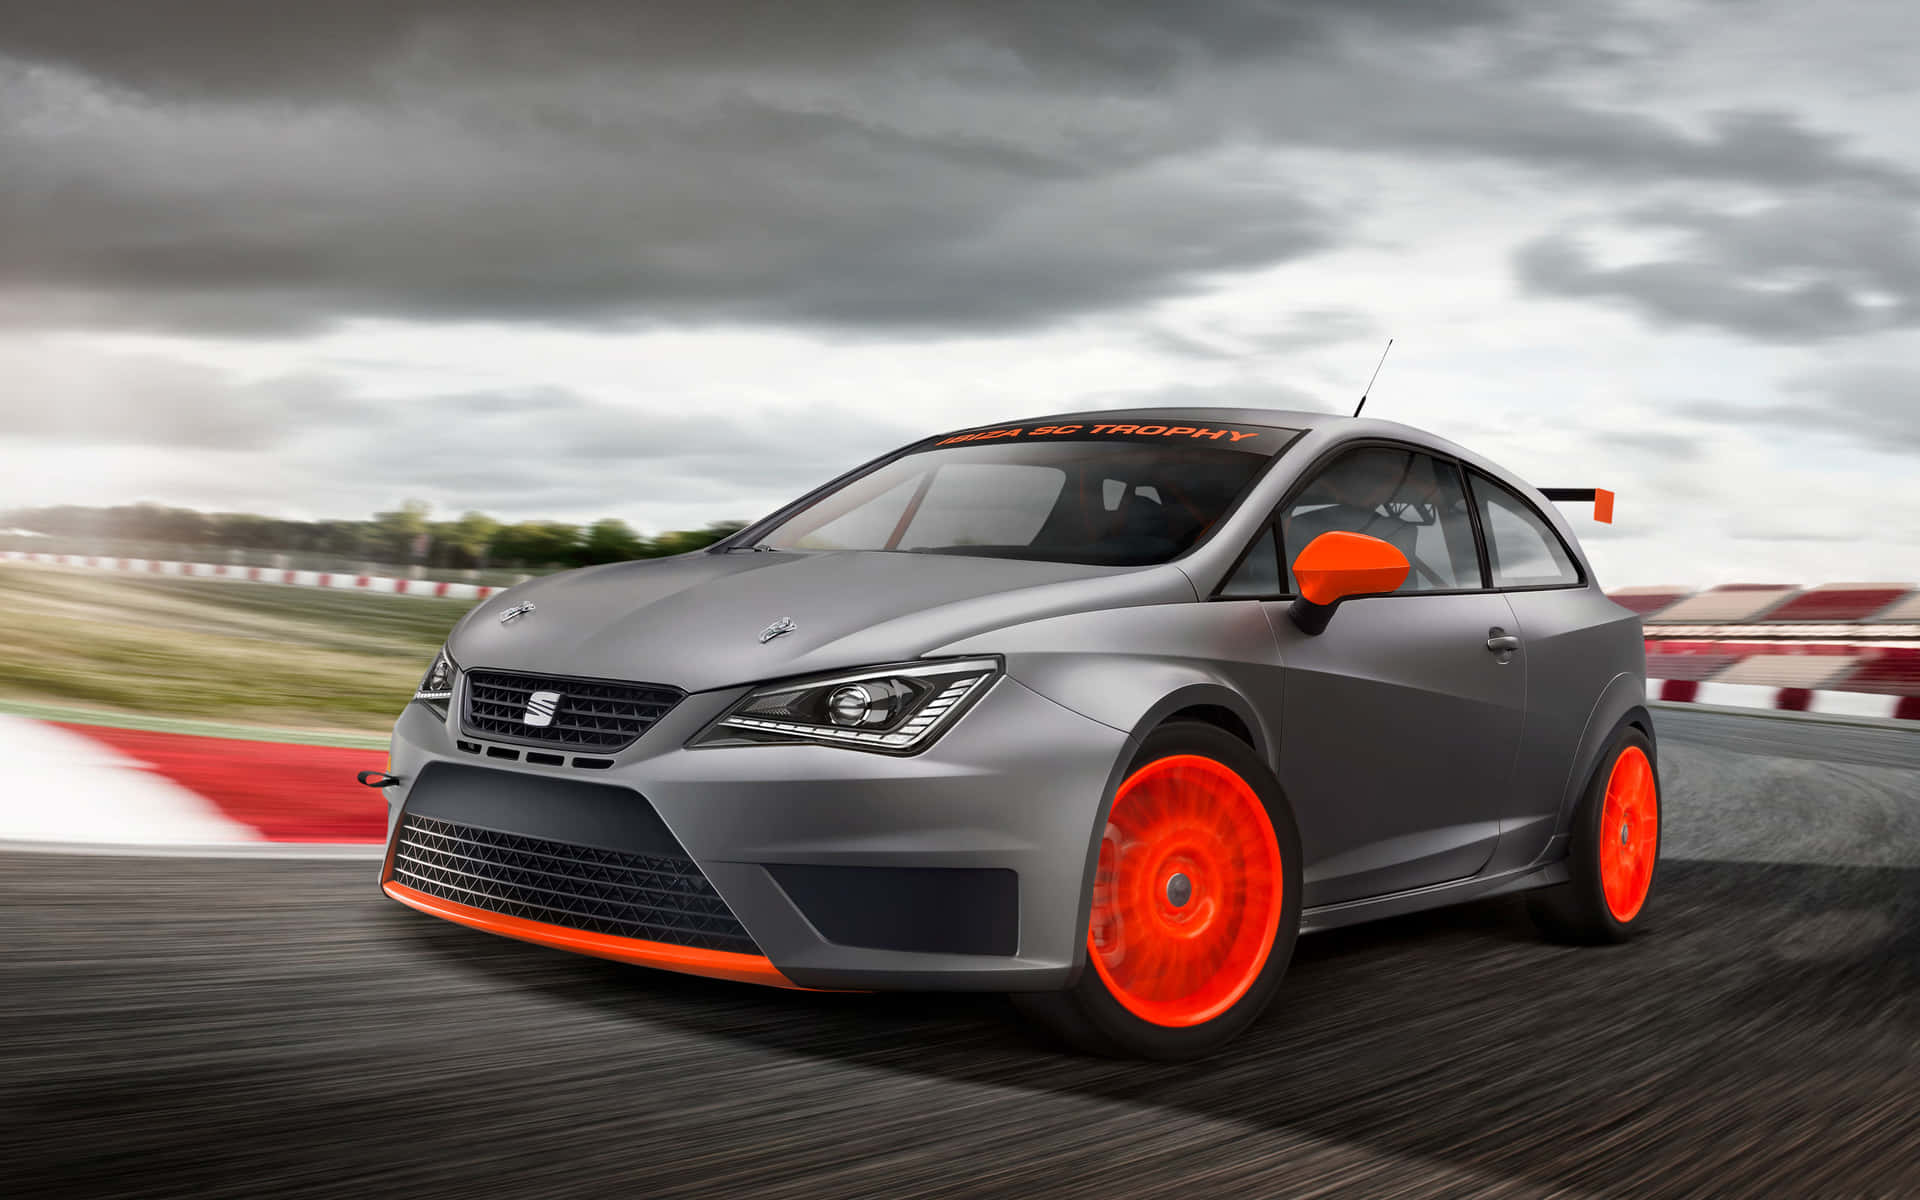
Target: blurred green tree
536, 544
611, 540
464, 543
394, 534
681, 541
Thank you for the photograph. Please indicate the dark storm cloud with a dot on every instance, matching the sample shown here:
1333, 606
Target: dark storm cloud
1759, 147
913, 167
612, 162
823, 220
196, 48
1875, 405
1801, 271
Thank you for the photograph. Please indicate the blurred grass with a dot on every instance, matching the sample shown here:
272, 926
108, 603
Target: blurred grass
243, 652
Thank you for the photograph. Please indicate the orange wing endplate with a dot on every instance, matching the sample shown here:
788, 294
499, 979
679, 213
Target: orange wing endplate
1601, 497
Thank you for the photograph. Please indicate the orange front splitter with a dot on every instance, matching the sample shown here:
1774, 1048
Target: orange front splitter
688, 960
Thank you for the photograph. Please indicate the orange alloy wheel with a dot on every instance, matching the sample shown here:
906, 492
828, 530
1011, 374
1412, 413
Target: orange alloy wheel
1629, 834
1186, 899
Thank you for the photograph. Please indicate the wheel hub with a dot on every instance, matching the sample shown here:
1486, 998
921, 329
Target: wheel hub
1179, 890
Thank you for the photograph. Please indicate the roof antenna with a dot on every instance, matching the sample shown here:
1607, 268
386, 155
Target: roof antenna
1375, 375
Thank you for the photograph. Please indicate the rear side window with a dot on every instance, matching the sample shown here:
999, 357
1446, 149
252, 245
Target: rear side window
1411, 500
1522, 549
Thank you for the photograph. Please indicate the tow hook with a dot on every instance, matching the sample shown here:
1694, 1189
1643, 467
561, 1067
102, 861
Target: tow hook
378, 779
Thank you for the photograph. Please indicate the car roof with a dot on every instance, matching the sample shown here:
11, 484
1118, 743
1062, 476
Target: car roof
1281, 418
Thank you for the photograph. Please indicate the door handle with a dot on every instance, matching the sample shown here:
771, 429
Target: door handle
1502, 644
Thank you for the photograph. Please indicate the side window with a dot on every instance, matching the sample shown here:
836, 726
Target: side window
1259, 572
1522, 548
1411, 500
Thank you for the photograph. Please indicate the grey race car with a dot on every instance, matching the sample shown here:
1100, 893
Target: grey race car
1101, 710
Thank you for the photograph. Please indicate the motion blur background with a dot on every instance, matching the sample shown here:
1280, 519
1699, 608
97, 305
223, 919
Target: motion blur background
672, 263
303, 306
308, 283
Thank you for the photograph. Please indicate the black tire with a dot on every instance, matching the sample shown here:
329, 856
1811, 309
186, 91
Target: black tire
1088, 1016
1577, 911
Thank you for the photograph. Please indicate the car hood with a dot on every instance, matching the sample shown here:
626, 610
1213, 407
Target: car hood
695, 621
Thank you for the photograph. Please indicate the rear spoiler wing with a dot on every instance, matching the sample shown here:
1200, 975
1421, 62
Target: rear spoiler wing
1601, 497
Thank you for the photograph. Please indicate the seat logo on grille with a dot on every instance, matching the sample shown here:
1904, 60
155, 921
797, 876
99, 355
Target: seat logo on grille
540, 709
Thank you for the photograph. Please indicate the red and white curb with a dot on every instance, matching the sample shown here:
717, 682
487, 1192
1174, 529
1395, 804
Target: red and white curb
85, 789
1779, 699
324, 579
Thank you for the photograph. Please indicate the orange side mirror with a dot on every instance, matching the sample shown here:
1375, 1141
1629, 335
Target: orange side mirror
1337, 565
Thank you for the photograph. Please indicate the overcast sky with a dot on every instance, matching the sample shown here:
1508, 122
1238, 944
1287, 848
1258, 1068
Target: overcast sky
678, 262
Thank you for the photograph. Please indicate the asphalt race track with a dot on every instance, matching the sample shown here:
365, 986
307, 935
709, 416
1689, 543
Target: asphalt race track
274, 1027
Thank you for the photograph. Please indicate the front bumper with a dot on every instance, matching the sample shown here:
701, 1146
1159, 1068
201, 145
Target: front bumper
964, 867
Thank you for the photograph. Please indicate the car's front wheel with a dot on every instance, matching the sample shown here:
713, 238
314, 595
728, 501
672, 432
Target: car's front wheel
1195, 903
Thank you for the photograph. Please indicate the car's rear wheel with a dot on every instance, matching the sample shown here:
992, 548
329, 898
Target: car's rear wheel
1195, 903
1614, 851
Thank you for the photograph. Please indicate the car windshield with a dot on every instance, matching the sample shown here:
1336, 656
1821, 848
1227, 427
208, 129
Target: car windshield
1114, 495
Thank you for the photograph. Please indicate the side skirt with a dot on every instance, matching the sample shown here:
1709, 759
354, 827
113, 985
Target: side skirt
1439, 895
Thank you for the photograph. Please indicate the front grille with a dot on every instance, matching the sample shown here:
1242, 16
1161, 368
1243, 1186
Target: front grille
593, 714
645, 896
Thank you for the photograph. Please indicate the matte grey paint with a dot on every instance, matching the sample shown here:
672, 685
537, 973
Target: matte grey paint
1399, 731
694, 620
1016, 784
1421, 771
1586, 666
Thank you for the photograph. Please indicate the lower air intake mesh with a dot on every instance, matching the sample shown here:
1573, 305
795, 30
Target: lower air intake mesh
644, 896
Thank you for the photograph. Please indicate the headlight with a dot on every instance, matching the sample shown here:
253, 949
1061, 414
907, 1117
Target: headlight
436, 686
893, 710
